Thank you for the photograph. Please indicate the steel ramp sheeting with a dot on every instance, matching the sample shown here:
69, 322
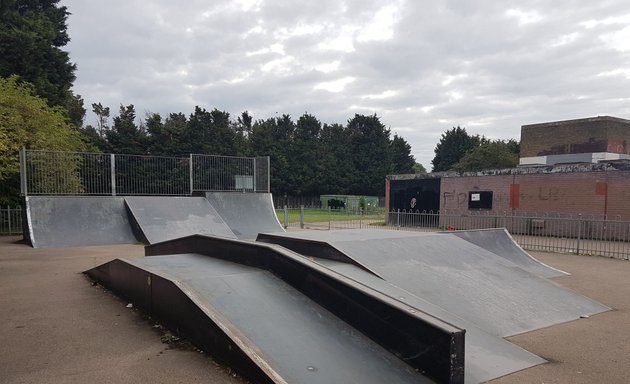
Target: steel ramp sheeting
55, 221
301, 341
161, 218
488, 290
247, 214
500, 242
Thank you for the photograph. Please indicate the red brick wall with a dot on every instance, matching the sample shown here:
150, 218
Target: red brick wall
589, 193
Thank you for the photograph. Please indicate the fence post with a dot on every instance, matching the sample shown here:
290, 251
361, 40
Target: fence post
190, 173
268, 175
579, 234
112, 160
254, 181
360, 216
301, 216
398, 218
9, 214
23, 182
329, 218
286, 216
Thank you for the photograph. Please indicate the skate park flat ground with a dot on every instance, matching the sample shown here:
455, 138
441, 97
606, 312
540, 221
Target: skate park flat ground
58, 328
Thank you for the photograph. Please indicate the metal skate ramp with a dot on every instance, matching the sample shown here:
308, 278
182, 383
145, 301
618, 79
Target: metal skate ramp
247, 214
500, 242
161, 218
495, 294
487, 356
280, 318
55, 221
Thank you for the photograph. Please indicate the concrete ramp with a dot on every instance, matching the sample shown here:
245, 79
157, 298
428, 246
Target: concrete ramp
77, 221
500, 242
247, 214
278, 317
158, 218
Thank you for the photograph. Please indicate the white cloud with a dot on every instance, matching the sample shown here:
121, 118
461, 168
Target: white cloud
524, 17
381, 27
334, 86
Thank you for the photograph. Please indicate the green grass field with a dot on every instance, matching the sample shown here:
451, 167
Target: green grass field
320, 215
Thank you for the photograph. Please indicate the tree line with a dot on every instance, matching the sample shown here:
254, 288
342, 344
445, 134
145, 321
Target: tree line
308, 157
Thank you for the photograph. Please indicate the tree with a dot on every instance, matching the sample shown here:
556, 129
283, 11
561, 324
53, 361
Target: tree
495, 154
369, 147
334, 164
272, 137
400, 152
31, 36
304, 153
126, 137
102, 118
419, 168
453, 145
27, 121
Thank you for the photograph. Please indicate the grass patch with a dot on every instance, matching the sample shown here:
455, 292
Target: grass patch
312, 215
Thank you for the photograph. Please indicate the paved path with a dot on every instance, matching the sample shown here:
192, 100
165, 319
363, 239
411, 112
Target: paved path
56, 328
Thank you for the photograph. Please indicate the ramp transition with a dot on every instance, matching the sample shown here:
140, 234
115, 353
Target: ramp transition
500, 242
72, 221
281, 318
247, 214
452, 279
158, 218
100, 220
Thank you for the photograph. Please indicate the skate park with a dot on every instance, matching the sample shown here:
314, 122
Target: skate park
317, 306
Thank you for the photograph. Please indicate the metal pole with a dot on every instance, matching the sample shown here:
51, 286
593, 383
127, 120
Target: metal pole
286, 216
255, 190
190, 173
23, 183
268, 175
577, 247
9, 214
302, 216
329, 217
112, 159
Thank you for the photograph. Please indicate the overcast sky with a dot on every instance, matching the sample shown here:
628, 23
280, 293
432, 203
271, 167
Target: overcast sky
422, 66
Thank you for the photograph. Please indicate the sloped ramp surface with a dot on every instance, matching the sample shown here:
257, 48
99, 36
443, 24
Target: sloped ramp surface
490, 291
164, 218
76, 221
455, 280
247, 214
500, 242
303, 323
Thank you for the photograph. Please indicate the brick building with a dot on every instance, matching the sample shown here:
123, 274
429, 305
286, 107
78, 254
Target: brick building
582, 140
588, 173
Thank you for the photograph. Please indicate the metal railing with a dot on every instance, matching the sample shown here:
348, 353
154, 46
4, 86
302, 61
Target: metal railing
77, 173
580, 234
10, 221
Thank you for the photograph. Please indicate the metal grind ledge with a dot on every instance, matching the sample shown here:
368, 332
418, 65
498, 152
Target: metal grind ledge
385, 327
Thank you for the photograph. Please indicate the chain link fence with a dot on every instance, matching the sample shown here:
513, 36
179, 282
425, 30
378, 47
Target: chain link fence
76, 173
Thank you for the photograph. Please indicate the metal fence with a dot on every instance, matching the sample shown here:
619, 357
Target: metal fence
10, 221
75, 173
578, 234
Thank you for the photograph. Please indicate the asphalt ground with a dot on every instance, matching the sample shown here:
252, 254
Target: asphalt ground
55, 327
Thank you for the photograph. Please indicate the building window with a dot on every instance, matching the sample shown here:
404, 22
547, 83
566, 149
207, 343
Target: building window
480, 200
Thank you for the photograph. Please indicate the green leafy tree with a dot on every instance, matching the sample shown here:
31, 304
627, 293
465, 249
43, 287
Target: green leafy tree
402, 160
126, 137
453, 145
369, 146
27, 121
304, 153
272, 137
334, 166
495, 154
32, 34
419, 168
167, 138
